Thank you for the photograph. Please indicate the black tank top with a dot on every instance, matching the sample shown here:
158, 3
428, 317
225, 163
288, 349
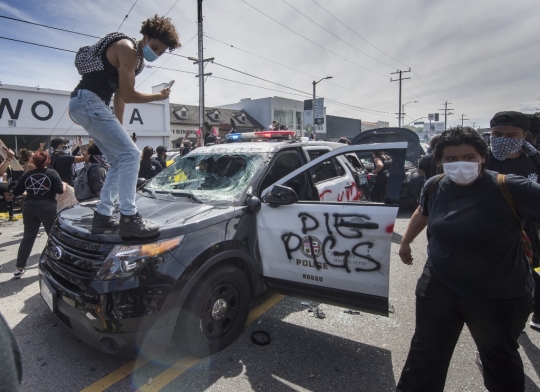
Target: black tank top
104, 83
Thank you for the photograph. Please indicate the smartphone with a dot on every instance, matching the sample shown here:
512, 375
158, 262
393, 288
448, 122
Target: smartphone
134, 136
170, 83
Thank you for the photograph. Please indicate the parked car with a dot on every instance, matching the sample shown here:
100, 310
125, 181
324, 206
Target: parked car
235, 219
412, 181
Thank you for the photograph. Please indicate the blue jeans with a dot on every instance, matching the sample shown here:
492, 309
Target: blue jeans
88, 110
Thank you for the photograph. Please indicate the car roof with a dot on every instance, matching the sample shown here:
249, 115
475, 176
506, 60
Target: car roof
252, 148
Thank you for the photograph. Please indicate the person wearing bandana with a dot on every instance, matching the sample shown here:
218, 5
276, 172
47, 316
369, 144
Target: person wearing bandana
512, 154
62, 159
109, 67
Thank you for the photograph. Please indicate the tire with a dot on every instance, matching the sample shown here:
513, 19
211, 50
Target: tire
215, 312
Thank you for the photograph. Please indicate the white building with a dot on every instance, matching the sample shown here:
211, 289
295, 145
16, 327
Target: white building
374, 125
286, 111
42, 114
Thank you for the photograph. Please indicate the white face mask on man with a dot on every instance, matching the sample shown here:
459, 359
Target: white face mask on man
462, 172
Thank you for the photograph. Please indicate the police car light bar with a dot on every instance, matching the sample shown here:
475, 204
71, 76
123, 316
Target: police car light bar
275, 134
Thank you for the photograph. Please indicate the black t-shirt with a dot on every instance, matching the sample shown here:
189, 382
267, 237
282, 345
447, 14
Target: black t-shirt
523, 165
149, 172
162, 162
63, 164
40, 184
428, 165
475, 247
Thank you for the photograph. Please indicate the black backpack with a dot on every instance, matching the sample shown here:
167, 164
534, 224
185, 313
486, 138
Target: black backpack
81, 184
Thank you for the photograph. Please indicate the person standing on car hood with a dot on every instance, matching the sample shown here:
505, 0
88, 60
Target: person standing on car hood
477, 272
110, 67
511, 154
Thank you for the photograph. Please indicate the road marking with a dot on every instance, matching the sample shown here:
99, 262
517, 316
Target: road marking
185, 363
117, 375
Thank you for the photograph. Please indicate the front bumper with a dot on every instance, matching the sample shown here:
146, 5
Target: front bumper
102, 327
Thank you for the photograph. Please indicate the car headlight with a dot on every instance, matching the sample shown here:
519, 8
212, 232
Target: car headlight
126, 260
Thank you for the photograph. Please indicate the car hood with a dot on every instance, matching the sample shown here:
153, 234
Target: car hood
173, 217
389, 135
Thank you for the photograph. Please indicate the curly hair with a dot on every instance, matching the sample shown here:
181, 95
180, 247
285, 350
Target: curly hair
41, 159
25, 154
456, 137
162, 29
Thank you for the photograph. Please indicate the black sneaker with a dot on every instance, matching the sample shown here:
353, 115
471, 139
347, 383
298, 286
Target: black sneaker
136, 226
103, 223
535, 322
17, 274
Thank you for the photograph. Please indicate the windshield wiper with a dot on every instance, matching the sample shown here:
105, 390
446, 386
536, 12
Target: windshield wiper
151, 191
183, 194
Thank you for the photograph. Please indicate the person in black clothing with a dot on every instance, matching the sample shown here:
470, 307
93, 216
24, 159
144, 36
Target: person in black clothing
63, 161
148, 167
511, 154
162, 156
7, 197
427, 164
379, 162
97, 172
41, 186
476, 272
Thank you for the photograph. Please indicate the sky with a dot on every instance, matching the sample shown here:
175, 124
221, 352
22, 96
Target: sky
481, 56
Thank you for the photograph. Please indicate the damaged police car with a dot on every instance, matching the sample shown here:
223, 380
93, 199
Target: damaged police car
235, 220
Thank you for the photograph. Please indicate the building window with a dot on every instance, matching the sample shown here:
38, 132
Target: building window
299, 120
243, 118
284, 117
319, 128
184, 114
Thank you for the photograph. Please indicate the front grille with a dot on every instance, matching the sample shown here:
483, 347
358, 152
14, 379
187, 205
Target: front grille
80, 258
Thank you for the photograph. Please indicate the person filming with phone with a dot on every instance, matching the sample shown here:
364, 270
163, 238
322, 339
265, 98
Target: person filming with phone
110, 67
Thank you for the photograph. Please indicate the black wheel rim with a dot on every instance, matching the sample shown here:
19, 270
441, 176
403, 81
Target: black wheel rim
220, 312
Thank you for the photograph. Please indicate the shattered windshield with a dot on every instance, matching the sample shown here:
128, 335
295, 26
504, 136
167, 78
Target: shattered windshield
208, 178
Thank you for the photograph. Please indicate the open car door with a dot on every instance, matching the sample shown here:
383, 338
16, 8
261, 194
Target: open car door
333, 252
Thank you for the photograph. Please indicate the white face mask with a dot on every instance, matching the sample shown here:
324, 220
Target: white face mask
461, 172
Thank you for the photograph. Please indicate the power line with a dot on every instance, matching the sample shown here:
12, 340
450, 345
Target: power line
291, 88
170, 9
127, 15
313, 42
194, 73
49, 27
329, 32
293, 69
372, 45
358, 35
31, 43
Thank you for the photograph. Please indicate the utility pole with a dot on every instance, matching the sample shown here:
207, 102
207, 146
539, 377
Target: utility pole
473, 124
462, 119
446, 114
400, 72
200, 60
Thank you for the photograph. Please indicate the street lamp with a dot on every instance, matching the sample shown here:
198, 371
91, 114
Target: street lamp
403, 109
314, 84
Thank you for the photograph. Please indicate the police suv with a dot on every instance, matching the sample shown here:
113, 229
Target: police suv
236, 219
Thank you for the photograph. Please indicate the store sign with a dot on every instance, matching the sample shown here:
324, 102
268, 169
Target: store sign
40, 112
319, 111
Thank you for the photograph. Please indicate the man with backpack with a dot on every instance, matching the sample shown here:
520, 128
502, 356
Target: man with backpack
511, 154
63, 161
90, 180
109, 67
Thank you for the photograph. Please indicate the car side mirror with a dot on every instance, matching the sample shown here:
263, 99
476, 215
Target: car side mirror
280, 195
254, 204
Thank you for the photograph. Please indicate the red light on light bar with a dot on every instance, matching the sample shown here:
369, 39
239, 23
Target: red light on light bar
271, 134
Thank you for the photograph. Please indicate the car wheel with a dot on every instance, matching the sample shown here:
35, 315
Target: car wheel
215, 312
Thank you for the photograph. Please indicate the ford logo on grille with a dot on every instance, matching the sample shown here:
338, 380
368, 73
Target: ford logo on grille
56, 252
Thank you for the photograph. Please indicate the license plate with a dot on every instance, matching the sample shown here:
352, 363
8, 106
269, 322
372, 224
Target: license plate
47, 295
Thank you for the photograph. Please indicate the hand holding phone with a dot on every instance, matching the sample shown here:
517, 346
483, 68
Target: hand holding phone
170, 84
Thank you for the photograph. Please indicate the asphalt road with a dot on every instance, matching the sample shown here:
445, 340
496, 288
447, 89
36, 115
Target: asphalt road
342, 352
